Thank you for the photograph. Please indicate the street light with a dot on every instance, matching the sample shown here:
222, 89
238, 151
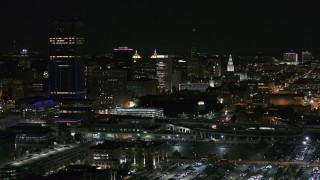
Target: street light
307, 138
304, 142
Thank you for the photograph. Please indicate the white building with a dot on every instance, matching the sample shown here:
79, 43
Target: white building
163, 72
230, 67
142, 112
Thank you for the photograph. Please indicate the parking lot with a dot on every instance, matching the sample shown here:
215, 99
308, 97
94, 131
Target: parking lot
231, 171
296, 161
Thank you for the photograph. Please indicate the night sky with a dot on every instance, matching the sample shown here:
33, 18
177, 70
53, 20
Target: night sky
222, 25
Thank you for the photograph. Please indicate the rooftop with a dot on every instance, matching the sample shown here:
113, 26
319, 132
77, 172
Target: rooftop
33, 158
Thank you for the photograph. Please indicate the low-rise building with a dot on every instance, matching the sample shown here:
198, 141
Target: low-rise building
43, 163
30, 137
108, 155
142, 112
112, 154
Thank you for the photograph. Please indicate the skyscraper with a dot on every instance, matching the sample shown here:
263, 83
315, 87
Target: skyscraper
230, 67
217, 68
20, 85
138, 70
66, 67
108, 86
163, 72
123, 59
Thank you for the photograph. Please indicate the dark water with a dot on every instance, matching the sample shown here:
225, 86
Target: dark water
6, 151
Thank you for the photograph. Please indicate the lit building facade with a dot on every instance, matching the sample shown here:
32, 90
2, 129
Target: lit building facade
66, 69
41, 164
23, 76
112, 155
30, 137
217, 69
163, 72
108, 155
143, 112
230, 67
37, 109
291, 58
138, 67
108, 86
201, 87
286, 99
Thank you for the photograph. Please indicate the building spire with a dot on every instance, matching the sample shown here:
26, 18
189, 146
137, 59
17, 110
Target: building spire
154, 55
230, 67
136, 55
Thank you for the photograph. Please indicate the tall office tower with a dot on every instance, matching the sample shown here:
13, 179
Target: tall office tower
179, 63
150, 66
194, 65
66, 67
290, 57
123, 59
217, 69
24, 61
138, 70
108, 86
163, 72
306, 56
23, 76
230, 67
179, 71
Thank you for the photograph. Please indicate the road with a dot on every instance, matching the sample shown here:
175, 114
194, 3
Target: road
276, 163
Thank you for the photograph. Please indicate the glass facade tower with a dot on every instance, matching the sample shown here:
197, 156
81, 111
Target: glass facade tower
66, 67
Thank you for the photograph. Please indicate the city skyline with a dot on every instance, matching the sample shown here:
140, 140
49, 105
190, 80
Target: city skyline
149, 90
220, 27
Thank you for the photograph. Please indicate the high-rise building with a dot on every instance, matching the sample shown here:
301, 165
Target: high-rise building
194, 65
306, 56
138, 67
123, 59
24, 61
23, 76
179, 71
66, 67
290, 57
150, 66
108, 86
217, 69
230, 67
163, 72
